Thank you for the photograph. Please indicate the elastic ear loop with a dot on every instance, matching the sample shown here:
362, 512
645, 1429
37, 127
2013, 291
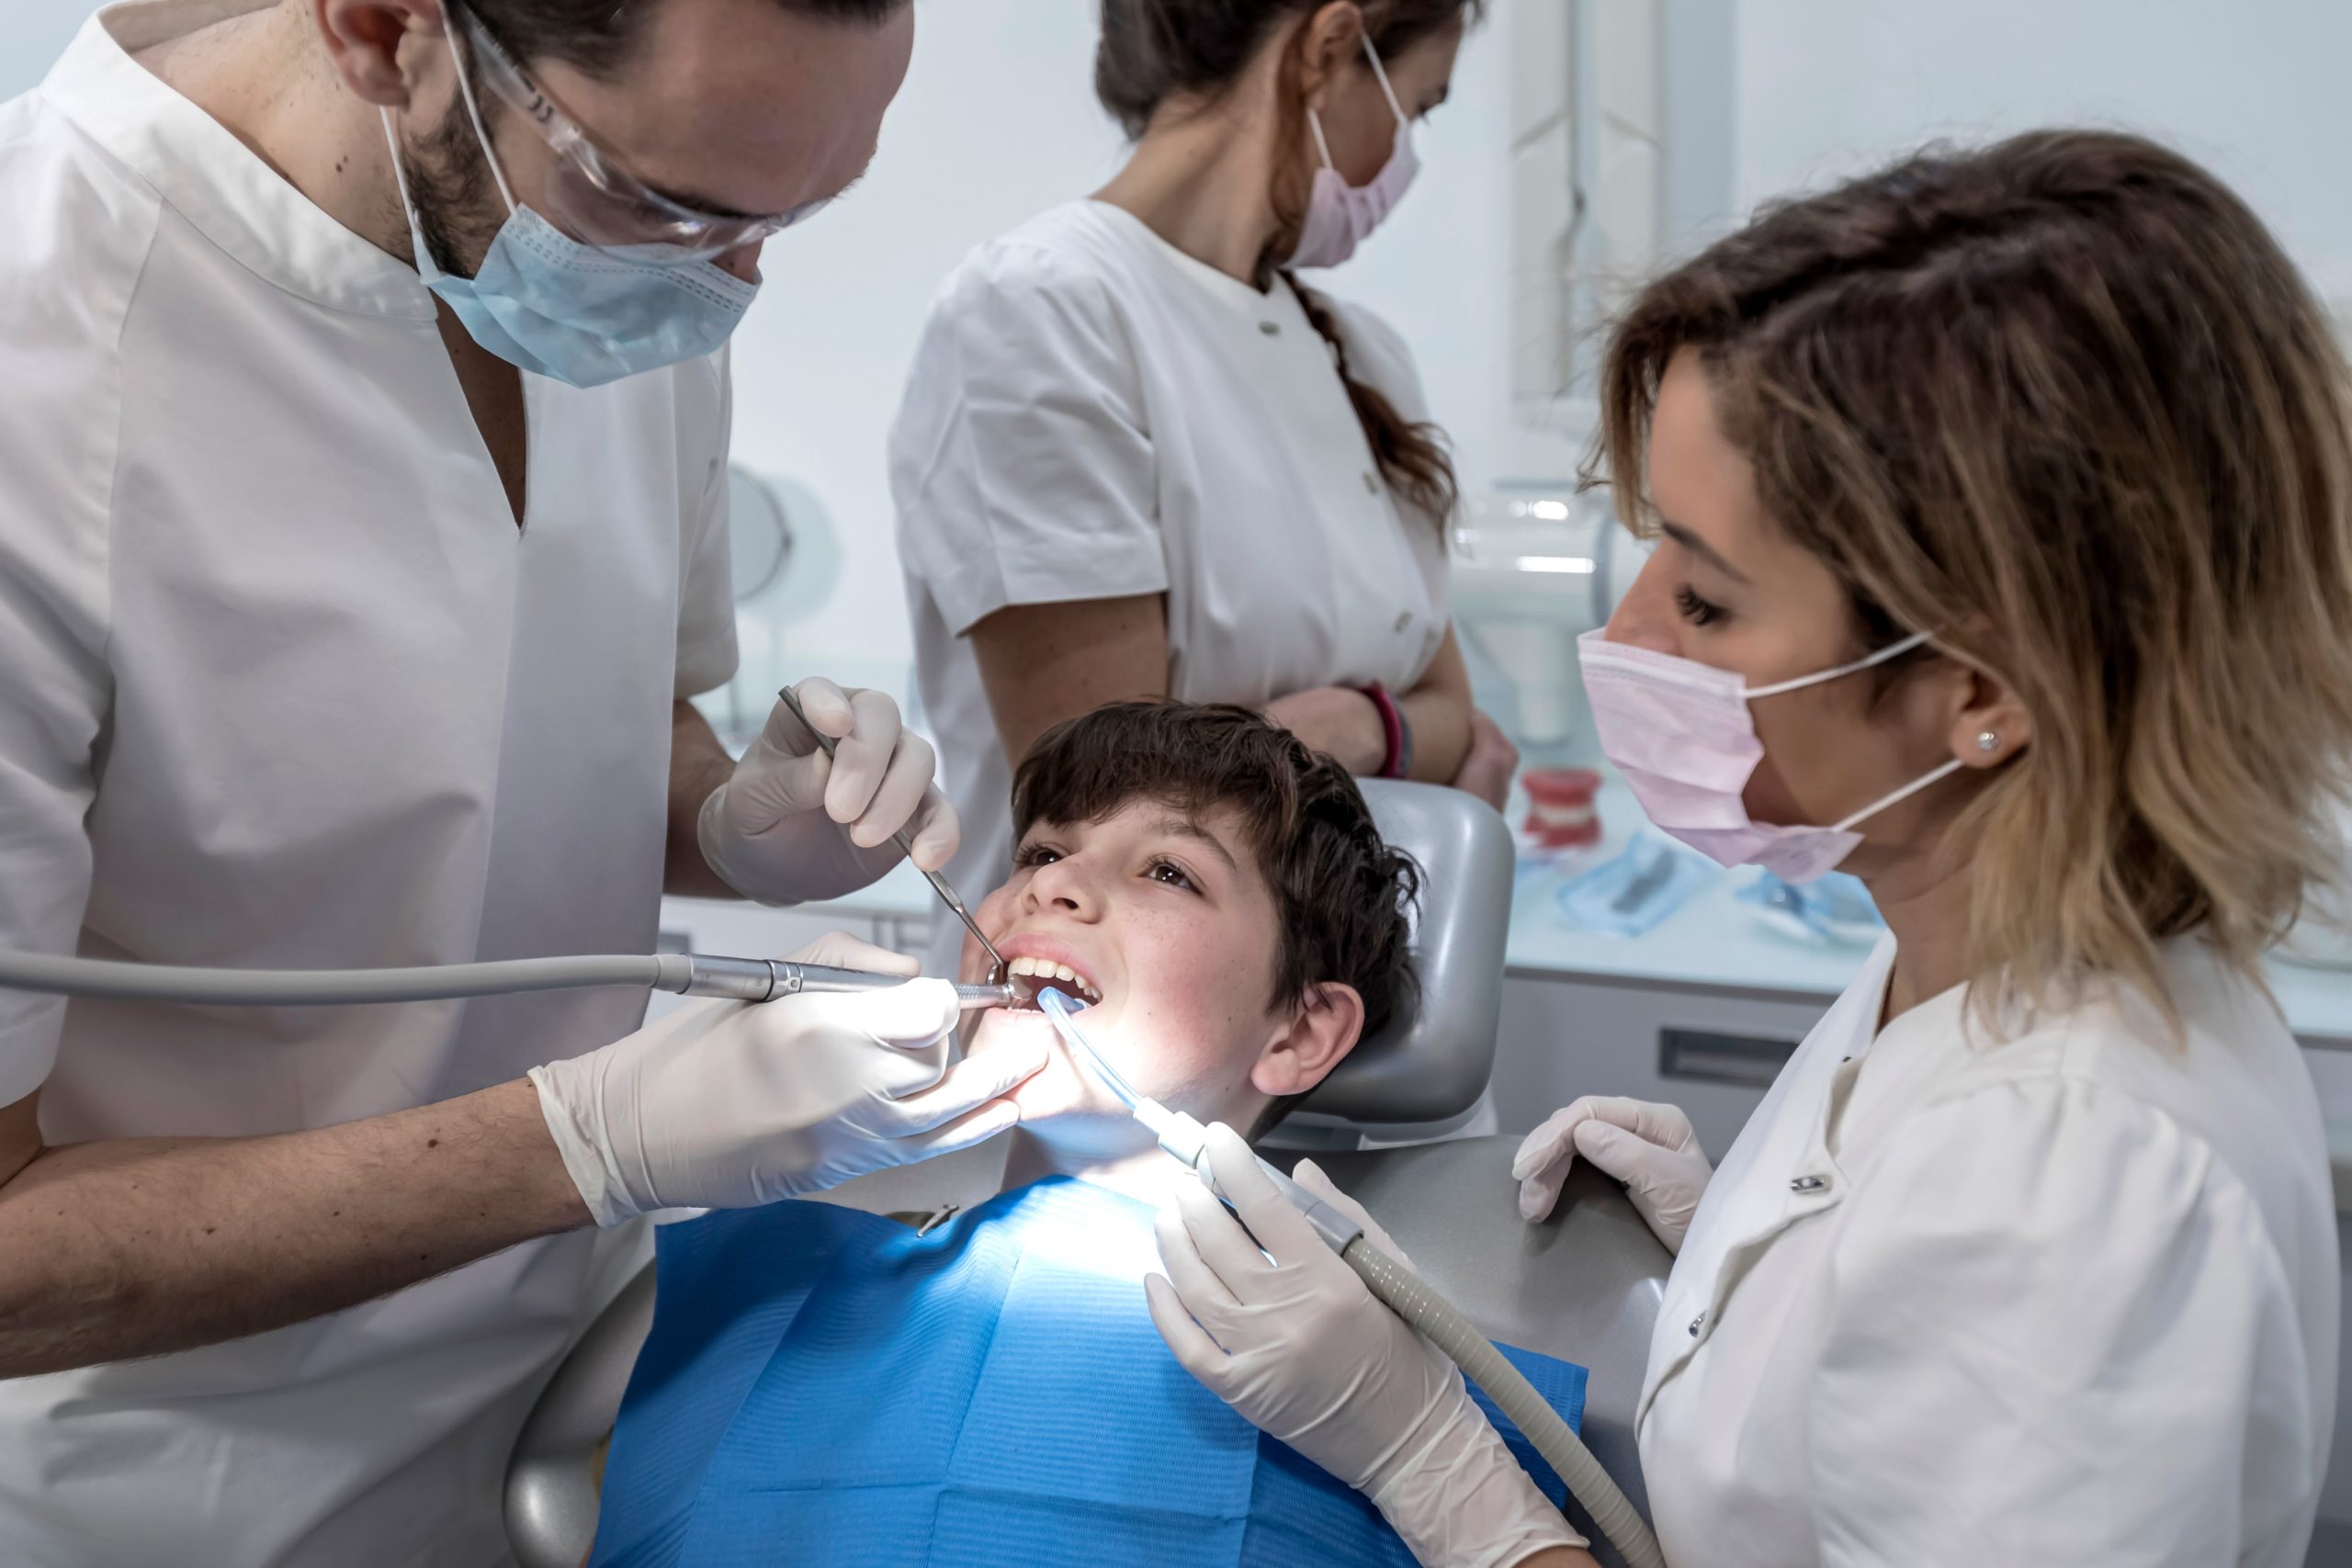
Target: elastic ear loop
1315, 121
400, 175
473, 113
1905, 793
481, 136
1380, 76
1892, 651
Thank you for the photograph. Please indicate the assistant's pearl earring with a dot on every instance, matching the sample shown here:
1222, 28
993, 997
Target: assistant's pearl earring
1989, 741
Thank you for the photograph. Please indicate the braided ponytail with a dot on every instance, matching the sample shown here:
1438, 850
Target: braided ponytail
1414, 458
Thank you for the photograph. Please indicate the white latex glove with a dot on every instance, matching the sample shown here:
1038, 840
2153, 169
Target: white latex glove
1649, 1147
791, 823
725, 1105
1292, 1339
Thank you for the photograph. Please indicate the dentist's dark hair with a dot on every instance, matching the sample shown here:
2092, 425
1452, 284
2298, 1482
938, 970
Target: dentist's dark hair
1185, 57
595, 36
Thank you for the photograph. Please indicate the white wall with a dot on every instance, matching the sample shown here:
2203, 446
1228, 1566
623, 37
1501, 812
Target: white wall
2253, 89
32, 34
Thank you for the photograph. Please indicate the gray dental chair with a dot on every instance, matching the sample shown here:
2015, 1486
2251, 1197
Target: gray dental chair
1584, 1286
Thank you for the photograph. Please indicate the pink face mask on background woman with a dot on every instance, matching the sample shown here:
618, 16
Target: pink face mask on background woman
1340, 216
1681, 733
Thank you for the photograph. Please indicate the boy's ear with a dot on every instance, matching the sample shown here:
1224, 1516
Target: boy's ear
1330, 1020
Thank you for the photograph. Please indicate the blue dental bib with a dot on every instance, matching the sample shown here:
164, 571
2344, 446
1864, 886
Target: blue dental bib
825, 1386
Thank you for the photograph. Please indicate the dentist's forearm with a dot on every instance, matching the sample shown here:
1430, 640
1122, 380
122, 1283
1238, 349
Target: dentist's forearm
138, 1246
699, 765
1438, 710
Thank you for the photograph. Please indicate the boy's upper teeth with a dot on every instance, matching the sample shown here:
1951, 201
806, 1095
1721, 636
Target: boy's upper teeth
1046, 969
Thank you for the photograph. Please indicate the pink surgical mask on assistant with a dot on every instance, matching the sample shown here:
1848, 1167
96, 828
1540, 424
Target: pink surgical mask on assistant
1340, 216
1684, 736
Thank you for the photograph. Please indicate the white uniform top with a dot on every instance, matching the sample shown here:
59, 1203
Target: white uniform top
1094, 414
2069, 1298
285, 687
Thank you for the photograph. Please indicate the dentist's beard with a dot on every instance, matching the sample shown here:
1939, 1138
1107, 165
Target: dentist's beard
458, 209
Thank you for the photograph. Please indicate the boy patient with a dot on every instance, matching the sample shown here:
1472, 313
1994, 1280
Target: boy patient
1220, 898
823, 1384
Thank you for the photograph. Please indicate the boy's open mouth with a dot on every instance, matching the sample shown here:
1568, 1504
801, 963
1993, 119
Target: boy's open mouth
1030, 975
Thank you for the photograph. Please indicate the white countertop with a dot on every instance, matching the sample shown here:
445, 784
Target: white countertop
1716, 943
1712, 942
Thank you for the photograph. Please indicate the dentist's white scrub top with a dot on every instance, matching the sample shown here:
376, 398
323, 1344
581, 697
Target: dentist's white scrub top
282, 684
2069, 1298
1094, 414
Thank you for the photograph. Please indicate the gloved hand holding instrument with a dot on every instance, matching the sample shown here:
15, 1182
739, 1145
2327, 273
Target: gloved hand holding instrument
832, 792
1290, 1304
728, 1104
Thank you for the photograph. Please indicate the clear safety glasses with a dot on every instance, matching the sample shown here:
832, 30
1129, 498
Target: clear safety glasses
588, 194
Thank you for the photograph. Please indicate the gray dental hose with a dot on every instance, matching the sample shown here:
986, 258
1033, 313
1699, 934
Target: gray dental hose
1438, 1321
683, 974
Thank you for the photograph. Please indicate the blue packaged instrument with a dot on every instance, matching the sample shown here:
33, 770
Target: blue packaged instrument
1632, 891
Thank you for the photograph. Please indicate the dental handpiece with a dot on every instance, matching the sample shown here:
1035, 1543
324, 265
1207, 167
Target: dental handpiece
683, 974
765, 979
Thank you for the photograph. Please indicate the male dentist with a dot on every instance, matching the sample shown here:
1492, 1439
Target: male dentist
362, 531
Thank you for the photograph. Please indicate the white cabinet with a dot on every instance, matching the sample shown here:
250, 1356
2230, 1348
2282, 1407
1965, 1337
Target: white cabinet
1712, 1054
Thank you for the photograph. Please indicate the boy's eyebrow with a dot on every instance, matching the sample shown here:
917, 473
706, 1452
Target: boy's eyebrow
1178, 826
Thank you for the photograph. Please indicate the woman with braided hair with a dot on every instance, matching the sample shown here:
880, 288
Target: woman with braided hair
1139, 457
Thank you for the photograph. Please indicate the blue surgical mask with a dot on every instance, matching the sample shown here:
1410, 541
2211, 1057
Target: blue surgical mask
583, 314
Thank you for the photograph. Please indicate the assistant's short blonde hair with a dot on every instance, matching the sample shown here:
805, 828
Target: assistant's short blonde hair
2063, 403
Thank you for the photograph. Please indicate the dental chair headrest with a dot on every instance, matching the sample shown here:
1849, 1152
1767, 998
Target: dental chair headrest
1432, 1062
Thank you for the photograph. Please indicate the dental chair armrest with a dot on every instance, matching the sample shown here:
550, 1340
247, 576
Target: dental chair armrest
551, 1498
